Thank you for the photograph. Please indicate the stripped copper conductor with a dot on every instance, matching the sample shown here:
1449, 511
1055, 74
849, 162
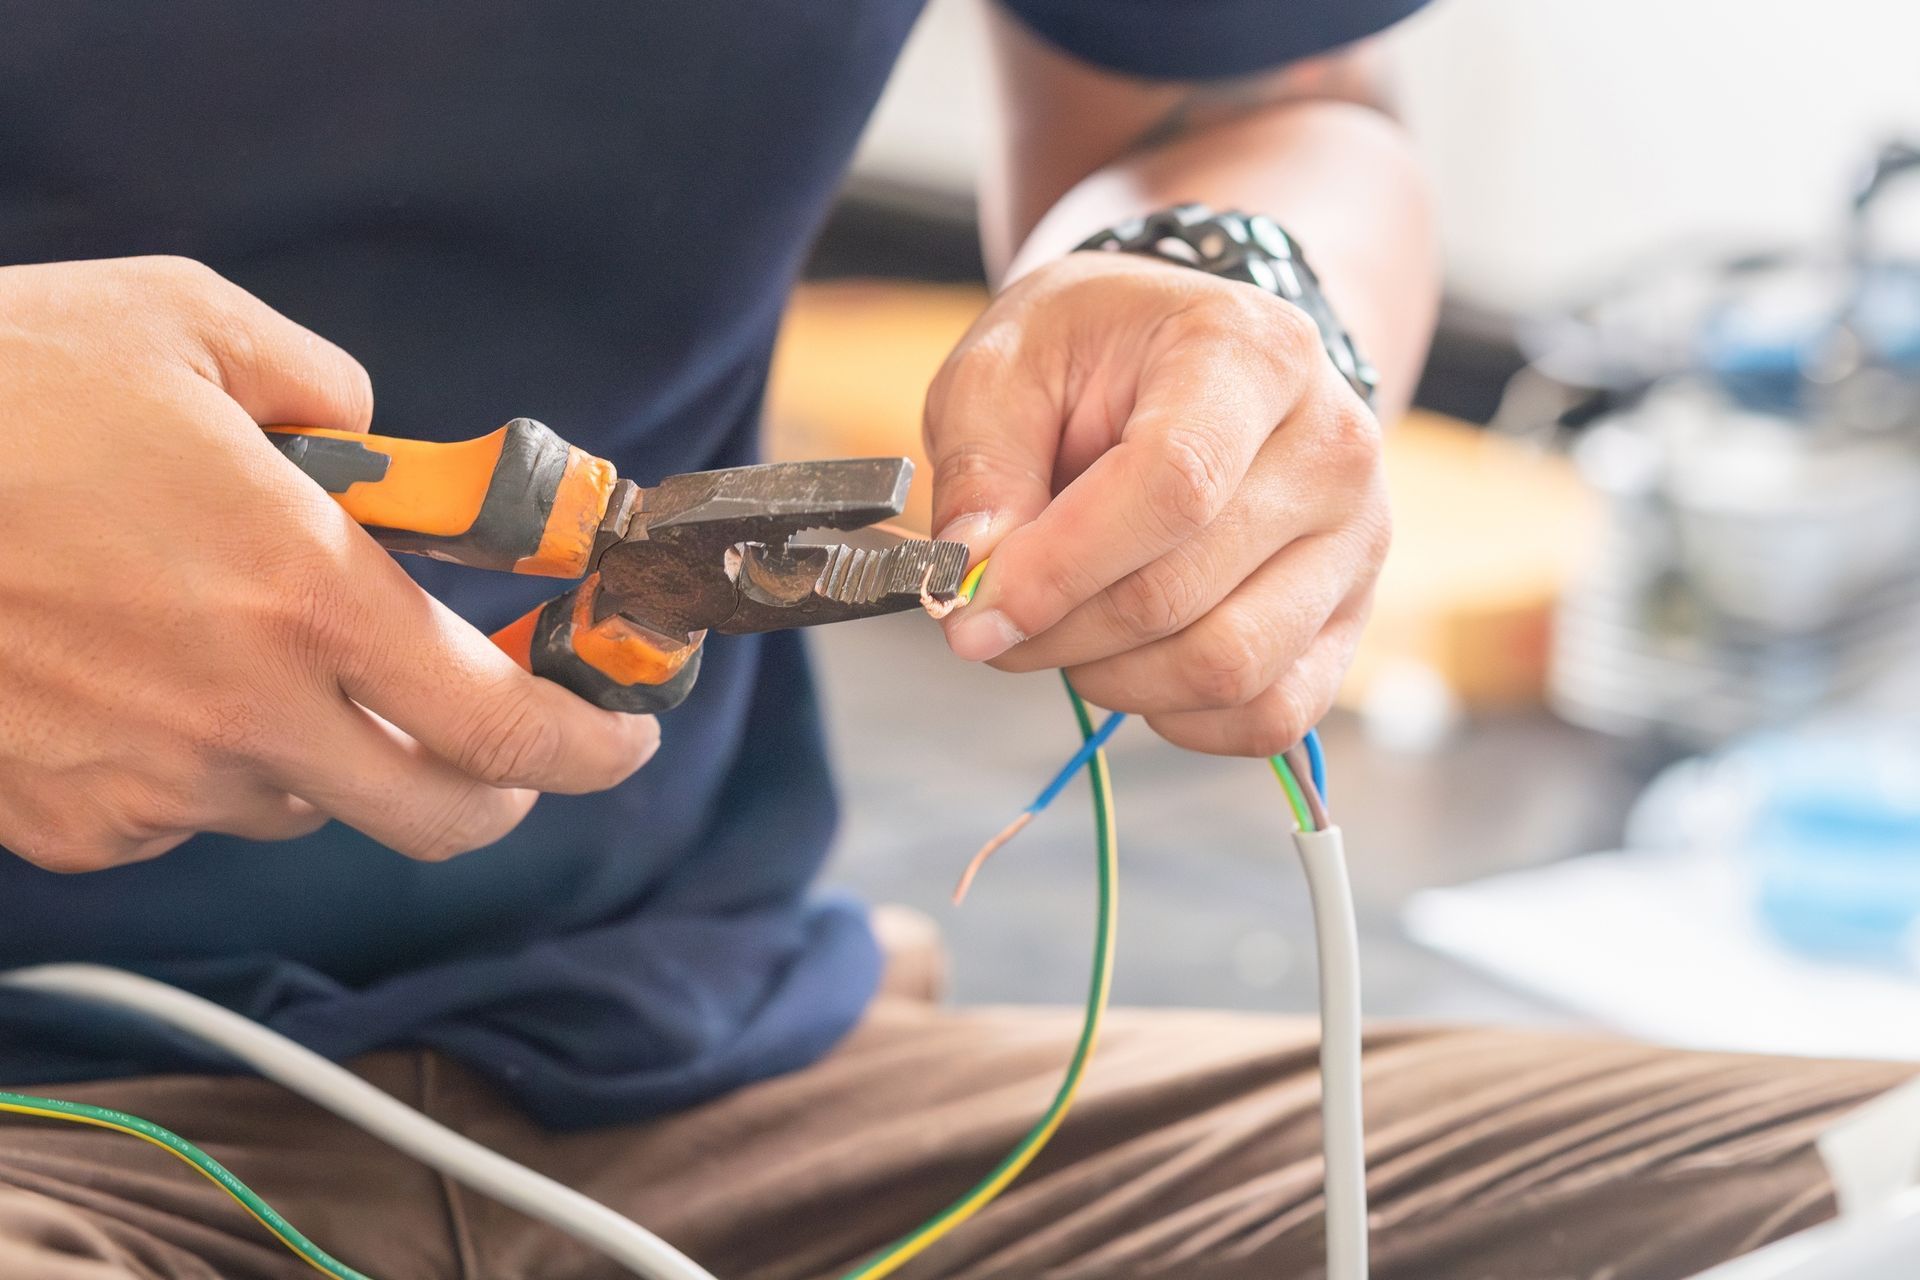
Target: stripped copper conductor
987, 850
936, 609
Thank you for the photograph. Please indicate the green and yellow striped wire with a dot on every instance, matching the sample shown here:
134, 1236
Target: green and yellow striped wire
133, 1126
897, 1254
1296, 796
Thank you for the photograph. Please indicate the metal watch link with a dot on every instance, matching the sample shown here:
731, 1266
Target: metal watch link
1248, 247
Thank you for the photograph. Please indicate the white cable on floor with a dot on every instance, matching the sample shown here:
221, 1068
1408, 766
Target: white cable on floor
1342, 1118
306, 1073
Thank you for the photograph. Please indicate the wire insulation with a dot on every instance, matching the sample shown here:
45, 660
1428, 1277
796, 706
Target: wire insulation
1051, 792
1342, 1113
172, 1143
970, 583
917, 1241
1317, 760
1296, 798
1322, 851
306, 1073
1302, 770
1048, 794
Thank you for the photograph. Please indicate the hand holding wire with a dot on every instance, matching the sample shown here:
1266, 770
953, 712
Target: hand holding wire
1186, 500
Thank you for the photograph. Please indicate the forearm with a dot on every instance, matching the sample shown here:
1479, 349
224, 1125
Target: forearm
1338, 175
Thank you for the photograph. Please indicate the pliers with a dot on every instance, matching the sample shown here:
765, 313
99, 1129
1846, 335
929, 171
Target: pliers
661, 566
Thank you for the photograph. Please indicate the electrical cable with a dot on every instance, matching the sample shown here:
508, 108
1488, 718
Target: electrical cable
167, 1140
1317, 763
1296, 798
1048, 794
898, 1253
1337, 941
1342, 1113
1300, 767
304, 1072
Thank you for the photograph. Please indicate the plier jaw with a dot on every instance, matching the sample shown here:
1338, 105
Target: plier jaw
714, 550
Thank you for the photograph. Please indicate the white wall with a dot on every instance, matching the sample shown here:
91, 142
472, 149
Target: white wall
1566, 136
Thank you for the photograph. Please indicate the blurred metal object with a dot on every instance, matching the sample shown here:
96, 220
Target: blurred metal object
1754, 428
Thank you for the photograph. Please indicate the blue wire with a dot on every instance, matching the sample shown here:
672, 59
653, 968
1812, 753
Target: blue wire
1317, 761
1079, 762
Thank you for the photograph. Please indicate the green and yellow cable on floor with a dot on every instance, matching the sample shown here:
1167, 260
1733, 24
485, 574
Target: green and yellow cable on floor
1301, 772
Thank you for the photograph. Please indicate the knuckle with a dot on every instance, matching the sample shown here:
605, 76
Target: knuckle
155, 808
1188, 484
967, 463
171, 271
1353, 440
197, 294
982, 359
1374, 529
1230, 662
1281, 724
301, 613
510, 742
1157, 600
1282, 330
357, 393
939, 392
1046, 591
464, 823
71, 848
218, 727
129, 808
992, 346
227, 331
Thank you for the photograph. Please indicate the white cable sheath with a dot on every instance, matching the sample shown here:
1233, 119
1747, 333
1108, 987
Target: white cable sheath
346, 1095
1342, 1118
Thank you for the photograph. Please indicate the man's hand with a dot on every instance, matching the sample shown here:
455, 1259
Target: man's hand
1183, 499
194, 637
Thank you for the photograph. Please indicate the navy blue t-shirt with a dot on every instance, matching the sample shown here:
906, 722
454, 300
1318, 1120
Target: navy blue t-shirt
590, 213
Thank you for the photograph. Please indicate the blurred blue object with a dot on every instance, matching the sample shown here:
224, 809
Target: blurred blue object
1833, 833
1779, 354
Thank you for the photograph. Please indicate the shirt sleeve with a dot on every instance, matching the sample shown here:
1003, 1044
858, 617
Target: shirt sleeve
1204, 39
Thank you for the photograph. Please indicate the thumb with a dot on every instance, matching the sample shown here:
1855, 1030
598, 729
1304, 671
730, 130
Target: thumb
281, 373
992, 437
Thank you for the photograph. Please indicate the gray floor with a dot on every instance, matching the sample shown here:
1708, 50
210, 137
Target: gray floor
934, 755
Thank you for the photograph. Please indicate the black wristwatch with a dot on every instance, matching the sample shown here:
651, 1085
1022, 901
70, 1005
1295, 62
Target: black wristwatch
1246, 247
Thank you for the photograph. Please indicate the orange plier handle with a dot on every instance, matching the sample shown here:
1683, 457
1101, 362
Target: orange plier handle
519, 500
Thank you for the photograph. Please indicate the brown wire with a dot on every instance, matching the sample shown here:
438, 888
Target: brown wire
1296, 758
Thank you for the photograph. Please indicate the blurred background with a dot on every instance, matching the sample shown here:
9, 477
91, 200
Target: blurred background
1632, 742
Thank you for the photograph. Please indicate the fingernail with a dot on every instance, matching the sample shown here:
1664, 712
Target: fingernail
982, 636
971, 529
